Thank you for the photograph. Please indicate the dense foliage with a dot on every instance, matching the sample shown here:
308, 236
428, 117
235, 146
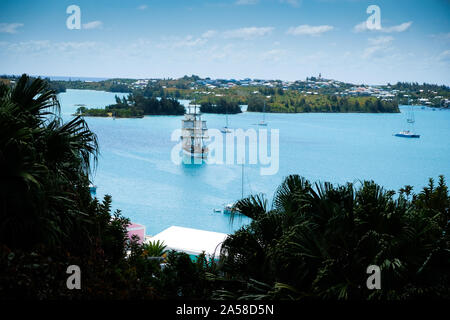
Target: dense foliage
111, 85
48, 219
294, 102
137, 105
220, 106
315, 241
56, 86
416, 87
411, 93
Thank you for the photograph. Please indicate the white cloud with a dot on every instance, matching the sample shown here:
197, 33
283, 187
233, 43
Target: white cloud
444, 56
46, 46
29, 46
361, 27
309, 30
189, 41
273, 55
209, 34
374, 52
294, 3
381, 40
246, 2
10, 27
143, 7
72, 45
227, 51
379, 47
248, 33
441, 36
400, 28
92, 25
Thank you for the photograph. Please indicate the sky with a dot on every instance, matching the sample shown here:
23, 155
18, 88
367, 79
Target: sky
263, 39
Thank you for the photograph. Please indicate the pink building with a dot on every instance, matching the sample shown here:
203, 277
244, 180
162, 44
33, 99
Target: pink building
136, 229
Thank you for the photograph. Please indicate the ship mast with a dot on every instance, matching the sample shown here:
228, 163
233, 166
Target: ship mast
242, 190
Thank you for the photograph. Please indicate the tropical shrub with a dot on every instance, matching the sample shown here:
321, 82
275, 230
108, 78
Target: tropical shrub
318, 240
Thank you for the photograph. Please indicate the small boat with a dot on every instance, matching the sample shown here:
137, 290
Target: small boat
407, 134
92, 188
217, 210
226, 129
228, 208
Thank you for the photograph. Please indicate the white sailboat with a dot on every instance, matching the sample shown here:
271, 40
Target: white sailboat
263, 122
225, 129
410, 119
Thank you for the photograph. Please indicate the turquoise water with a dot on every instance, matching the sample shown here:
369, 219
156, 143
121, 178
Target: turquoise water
136, 169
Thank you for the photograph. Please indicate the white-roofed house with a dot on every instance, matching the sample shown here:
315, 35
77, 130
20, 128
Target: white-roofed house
191, 241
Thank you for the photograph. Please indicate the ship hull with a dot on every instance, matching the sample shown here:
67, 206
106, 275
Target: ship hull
402, 135
197, 155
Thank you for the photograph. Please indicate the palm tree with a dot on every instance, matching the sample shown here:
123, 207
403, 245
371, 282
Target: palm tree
317, 241
44, 166
155, 249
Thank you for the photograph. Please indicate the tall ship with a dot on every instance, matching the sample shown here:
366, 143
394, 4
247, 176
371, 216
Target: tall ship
194, 132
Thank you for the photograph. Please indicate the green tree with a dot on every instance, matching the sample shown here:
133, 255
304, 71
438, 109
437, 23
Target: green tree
318, 239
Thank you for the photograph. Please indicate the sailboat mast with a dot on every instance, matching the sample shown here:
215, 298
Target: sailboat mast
226, 115
242, 192
264, 110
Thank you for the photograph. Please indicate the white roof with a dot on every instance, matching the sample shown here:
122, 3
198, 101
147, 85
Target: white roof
191, 241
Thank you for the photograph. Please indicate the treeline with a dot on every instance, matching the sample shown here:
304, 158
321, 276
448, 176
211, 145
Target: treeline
415, 86
130, 112
271, 91
411, 93
157, 91
154, 106
221, 106
136, 105
111, 85
289, 103
57, 86
313, 241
